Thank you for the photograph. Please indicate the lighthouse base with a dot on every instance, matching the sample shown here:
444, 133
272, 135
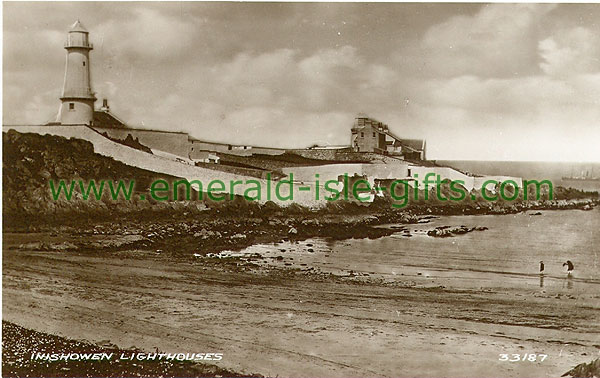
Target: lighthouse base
76, 112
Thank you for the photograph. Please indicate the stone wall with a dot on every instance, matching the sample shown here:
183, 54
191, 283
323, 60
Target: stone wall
318, 154
342, 154
333, 171
365, 157
197, 146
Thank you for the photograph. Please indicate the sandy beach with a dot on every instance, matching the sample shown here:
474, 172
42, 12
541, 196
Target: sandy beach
295, 321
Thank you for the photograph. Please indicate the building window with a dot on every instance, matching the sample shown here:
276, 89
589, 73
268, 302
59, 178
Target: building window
373, 134
71, 106
84, 64
362, 135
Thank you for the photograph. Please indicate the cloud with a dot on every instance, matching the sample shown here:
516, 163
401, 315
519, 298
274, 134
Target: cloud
149, 36
498, 41
282, 93
534, 118
570, 52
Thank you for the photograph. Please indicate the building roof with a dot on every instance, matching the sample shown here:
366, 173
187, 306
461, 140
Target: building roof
78, 27
412, 144
415, 144
105, 119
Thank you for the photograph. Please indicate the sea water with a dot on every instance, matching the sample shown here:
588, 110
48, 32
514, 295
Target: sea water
506, 255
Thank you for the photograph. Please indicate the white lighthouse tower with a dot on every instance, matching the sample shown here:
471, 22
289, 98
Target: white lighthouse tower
77, 99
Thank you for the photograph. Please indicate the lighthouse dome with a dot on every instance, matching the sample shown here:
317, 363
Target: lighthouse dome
78, 27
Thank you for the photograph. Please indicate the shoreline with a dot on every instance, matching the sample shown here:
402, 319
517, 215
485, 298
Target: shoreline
235, 226
272, 323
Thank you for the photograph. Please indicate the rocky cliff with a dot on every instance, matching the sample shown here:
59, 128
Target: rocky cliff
31, 161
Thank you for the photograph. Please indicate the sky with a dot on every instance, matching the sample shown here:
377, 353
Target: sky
477, 81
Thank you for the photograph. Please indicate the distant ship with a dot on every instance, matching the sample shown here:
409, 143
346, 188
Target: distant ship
587, 176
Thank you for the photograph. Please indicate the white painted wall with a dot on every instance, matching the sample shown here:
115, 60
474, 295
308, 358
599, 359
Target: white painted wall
167, 165
159, 164
445, 173
333, 171
479, 181
470, 182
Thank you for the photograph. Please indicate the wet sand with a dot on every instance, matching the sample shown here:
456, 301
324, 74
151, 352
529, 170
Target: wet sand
294, 323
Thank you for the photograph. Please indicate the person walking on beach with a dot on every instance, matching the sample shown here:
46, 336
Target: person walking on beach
570, 267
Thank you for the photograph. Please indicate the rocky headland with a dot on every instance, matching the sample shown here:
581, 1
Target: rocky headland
186, 227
